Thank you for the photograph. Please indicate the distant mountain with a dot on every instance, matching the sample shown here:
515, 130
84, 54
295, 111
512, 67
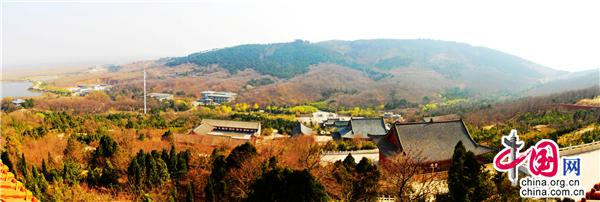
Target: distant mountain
365, 72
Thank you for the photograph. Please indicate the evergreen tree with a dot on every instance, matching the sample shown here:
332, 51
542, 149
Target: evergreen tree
190, 193
367, 175
467, 180
239, 154
107, 148
299, 186
134, 172
215, 187
349, 162
457, 187
22, 163
173, 194
477, 179
173, 167
44, 169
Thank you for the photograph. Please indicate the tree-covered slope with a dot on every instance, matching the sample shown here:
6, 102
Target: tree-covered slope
283, 60
286, 60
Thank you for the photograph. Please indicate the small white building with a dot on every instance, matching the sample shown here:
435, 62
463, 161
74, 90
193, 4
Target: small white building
319, 117
161, 96
84, 89
18, 102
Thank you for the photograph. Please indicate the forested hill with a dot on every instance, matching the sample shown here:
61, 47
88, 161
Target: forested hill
377, 58
283, 60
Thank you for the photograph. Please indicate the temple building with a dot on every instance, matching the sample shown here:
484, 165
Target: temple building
233, 129
432, 141
361, 128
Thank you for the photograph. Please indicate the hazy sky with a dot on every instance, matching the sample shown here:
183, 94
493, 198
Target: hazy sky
559, 34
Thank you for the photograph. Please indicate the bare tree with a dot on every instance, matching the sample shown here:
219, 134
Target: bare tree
311, 157
408, 177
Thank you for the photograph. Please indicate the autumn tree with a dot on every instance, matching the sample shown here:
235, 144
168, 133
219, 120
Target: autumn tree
407, 177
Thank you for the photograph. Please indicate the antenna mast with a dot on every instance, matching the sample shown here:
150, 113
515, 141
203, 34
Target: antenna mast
144, 90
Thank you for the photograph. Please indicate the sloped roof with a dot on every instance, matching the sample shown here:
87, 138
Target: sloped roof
301, 129
231, 124
361, 128
434, 140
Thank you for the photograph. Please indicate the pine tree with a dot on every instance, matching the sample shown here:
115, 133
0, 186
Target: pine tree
457, 187
23, 166
173, 167
239, 154
367, 178
216, 186
299, 186
44, 169
190, 193
349, 162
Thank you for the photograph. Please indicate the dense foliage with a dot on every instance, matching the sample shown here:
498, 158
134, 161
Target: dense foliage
282, 60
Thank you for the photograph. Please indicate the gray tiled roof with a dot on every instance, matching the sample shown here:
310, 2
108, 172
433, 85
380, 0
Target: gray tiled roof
434, 140
361, 128
301, 129
232, 124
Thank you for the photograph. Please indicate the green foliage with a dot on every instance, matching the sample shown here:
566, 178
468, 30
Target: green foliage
283, 60
71, 172
239, 154
349, 145
107, 148
397, 102
457, 186
22, 166
456, 93
147, 170
260, 82
284, 184
216, 188
106, 176
215, 185
189, 197
467, 180
349, 161
303, 109
281, 124
28, 104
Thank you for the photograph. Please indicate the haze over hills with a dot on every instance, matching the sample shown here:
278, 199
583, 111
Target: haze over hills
398, 73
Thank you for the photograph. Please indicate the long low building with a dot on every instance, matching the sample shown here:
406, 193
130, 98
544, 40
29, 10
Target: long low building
233, 129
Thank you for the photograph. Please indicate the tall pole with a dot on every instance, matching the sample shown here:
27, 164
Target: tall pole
144, 90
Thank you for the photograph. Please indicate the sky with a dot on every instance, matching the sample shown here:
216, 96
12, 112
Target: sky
559, 34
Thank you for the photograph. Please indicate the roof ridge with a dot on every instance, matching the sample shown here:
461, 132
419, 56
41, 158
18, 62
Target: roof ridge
434, 122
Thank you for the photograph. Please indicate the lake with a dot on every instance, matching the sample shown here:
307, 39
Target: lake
17, 89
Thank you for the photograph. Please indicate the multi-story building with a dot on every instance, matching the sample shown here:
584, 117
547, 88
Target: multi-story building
214, 97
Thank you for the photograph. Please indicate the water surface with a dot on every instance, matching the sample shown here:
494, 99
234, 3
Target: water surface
17, 89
